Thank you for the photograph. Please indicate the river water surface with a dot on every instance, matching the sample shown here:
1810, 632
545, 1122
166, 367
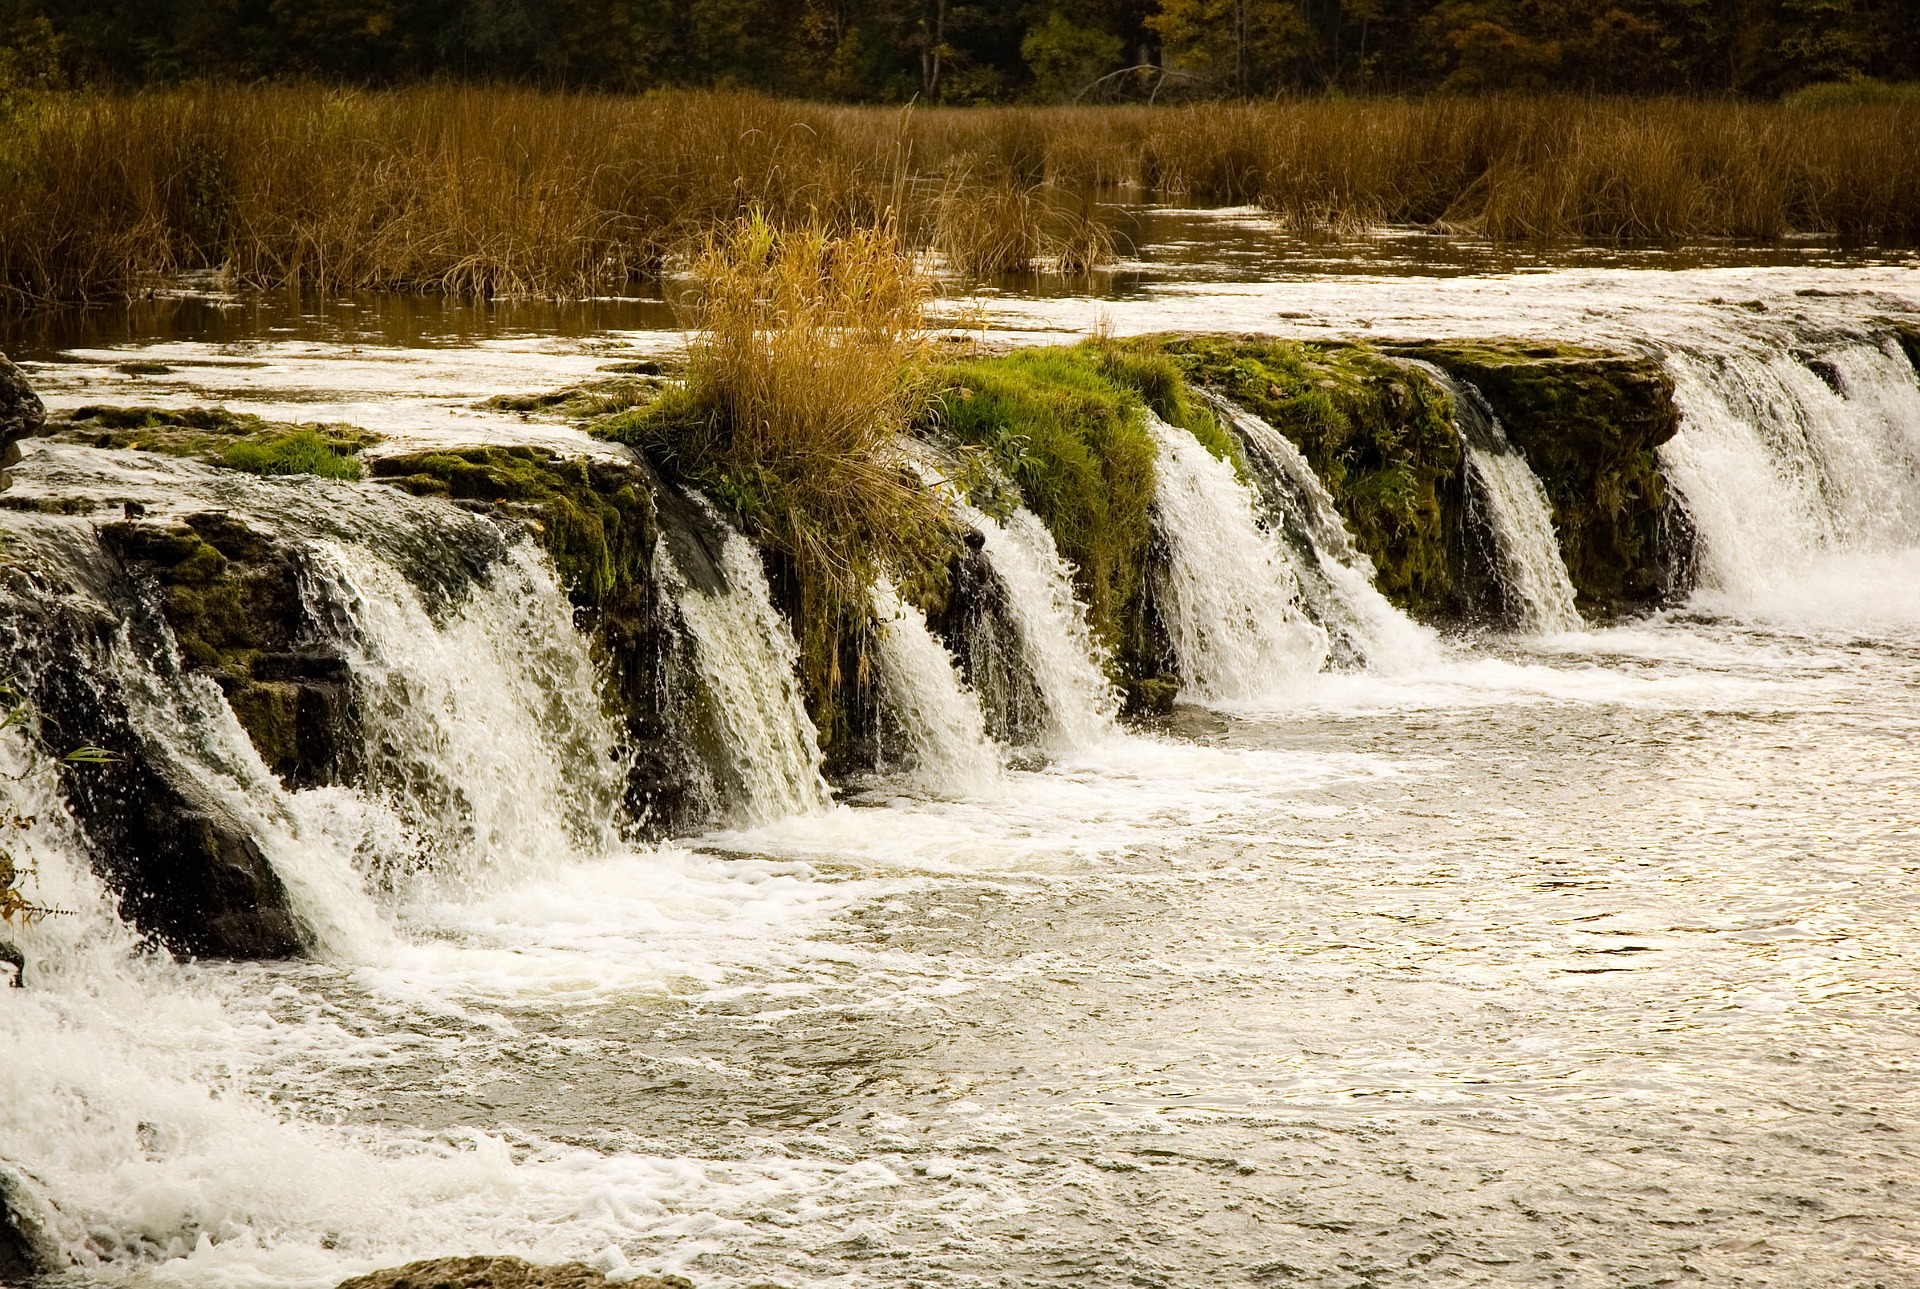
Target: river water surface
1589, 958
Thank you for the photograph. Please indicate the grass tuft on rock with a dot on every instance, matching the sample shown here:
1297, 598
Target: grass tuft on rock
301, 452
236, 440
798, 389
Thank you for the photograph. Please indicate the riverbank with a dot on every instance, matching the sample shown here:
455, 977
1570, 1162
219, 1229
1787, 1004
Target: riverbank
505, 192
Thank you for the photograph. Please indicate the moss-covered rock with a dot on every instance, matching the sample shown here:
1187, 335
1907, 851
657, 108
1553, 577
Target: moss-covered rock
1067, 427
213, 434
1588, 423
1380, 437
232, 598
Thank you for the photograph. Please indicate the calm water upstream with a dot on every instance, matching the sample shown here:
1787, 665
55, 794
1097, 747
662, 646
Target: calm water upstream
1585, 959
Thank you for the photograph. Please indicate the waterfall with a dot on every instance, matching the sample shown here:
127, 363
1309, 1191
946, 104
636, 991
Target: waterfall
1506, 501
939, 719
1226, 592
1783, 459
488, 758
743, 652
1053, 650
1335, 575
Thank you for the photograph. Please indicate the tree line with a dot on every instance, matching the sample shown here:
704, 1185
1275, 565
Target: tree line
978, 51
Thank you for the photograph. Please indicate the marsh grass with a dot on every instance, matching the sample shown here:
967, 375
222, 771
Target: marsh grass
798, 391
510, 191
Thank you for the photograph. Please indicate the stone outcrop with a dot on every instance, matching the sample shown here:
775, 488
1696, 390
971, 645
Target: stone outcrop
187, 870
232, 597
1588, 423
22, 415
500, 1273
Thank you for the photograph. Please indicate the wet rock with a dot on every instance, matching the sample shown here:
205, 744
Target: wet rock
233, 599
1588, 423
499, 1273
187, 870
22, 415
17, 1263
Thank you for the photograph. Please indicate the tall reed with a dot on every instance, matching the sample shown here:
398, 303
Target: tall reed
516, 191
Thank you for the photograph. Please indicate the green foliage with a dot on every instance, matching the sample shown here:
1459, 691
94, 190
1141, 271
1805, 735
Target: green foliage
1380, 437
1066, 57
1066, 425
301, 452
594, 518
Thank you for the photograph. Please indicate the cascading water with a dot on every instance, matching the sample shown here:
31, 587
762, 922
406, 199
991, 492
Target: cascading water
1053, 650
488, 757
938, 717
1335, 575
1783, 460
1506, 500
767, 750
1226, 592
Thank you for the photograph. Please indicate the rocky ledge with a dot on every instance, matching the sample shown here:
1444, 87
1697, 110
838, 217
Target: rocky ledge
500, 1273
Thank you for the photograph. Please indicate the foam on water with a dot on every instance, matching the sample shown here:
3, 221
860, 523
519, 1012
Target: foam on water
1226, 592
1056, 649
922, 695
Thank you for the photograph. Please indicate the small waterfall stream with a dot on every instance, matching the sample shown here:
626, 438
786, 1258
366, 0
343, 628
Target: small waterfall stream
1783, 459
1336, 577
745, 656
488, 757
1054, 650
938, 717
1227, 592
1505, 497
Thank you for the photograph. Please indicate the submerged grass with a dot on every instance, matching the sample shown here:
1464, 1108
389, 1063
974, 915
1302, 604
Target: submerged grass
498, 191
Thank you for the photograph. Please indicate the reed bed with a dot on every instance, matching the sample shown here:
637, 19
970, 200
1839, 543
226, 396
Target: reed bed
510, 191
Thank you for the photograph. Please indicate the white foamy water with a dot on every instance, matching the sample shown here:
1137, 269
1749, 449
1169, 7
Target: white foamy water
1780, 468
745, 655
1056, 649
1337, 577
922, 697
1227, 594
489, 759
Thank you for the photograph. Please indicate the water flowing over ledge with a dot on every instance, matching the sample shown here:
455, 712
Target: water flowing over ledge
397, 742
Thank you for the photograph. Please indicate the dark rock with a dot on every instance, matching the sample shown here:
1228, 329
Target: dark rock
17, 1262
499, 1273
232, 598
1588, 423
187, 871
22, 414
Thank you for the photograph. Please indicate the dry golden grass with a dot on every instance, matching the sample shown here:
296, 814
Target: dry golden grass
797, 398
515, 191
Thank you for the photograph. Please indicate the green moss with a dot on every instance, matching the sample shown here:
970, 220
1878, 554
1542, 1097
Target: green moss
220, 437
1588, 422
1066, 425
595, 519
585, 401
1380, 437
301, 452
